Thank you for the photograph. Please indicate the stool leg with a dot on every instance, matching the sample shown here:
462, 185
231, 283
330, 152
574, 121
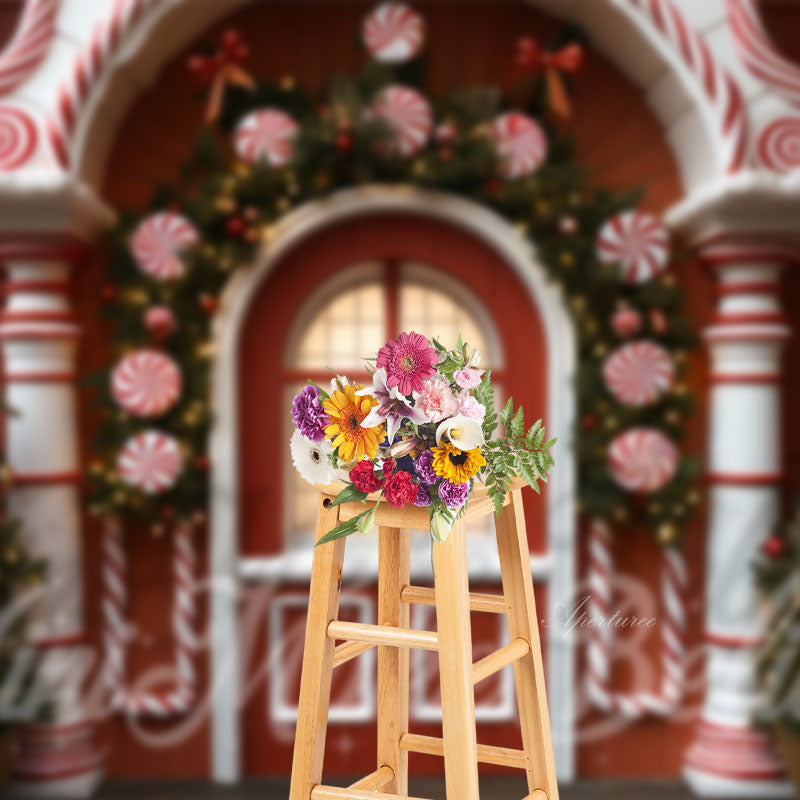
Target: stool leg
455, 666
512, 543
393, 575
315, 681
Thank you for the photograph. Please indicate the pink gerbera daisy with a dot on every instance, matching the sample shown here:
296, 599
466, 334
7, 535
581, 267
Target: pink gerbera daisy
408, 360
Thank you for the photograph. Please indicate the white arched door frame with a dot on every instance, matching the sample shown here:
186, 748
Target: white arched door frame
224, 562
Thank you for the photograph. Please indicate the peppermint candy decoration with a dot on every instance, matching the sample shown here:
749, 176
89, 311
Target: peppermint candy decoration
521, 144
642, 459
150, 461
393, 33
779, 145
157, 242
408, 115
638, 242
146, 383
638, 373
265, 135
18, 138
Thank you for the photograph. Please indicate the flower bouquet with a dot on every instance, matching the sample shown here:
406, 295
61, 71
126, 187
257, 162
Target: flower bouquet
421, 434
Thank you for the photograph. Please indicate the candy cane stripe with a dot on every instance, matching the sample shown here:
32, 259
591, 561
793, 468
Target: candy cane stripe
115, 637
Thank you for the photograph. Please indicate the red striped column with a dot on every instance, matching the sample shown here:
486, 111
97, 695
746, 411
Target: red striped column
728, 757
39, 336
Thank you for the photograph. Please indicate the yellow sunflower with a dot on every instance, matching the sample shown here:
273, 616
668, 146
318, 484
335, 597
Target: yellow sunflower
457, 466
346, 412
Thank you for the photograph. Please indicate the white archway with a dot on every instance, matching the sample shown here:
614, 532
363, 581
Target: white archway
662, 53
558, 567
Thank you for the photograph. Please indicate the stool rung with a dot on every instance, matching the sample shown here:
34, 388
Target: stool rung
333, 793
382, 634
487, 754
490, 603
348, 651
375, 781
482, 669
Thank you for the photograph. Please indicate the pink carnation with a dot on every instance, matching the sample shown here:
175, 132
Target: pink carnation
468, 378
469, 407
437, 400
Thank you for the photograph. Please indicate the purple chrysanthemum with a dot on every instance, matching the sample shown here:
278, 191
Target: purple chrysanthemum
308, 413
423, 466
454, 495
423, 498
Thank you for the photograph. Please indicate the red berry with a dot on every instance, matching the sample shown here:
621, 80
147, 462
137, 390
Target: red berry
202, 463
108, 293
493, 186
235, 226
208, 303
774, 547
589, 422
344, 142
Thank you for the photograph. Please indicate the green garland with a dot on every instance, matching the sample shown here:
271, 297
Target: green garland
235, 207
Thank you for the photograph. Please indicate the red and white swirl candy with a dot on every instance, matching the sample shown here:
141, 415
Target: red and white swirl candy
150, 461
638, 242
521, 144
157, 243
146, 383
779, 145
642, 459
265, 135
409, 116
393, 33
638, 373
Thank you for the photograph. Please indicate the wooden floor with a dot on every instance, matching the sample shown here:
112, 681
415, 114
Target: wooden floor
490, 790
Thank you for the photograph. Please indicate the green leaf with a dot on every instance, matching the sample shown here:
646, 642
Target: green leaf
343, 529
348, 495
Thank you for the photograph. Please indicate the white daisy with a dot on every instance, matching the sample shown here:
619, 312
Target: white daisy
312, 459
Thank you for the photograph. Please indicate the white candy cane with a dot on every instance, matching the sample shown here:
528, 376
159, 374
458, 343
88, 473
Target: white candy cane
182, 697
673, 628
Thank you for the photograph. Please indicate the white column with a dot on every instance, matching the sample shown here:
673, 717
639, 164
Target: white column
39, 336
728, 757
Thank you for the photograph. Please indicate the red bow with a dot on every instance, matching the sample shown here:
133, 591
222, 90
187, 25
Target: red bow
222, 68
534, 60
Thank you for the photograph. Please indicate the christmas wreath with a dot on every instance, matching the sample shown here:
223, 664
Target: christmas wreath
269, 147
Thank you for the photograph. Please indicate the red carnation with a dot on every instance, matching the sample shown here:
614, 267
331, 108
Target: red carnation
399, 490
388, 467
364, 478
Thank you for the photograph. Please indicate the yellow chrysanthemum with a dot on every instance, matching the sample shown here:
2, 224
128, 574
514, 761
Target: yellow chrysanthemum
457, 466
346, 412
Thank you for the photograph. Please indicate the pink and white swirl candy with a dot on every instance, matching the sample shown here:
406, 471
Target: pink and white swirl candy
521, 144
408, 115
393, 33
779, 145
265, 135
638, 373
638, 242
151, 461
146, 383
157, 243
642, 459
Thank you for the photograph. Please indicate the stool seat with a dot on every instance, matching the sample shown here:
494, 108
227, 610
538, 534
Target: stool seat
393, 637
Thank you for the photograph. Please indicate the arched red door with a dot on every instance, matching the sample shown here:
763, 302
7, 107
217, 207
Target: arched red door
334, 298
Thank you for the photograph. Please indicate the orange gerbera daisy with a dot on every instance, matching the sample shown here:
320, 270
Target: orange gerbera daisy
346, 412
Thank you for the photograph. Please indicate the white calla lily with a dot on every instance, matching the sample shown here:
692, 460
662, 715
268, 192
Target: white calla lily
463, 432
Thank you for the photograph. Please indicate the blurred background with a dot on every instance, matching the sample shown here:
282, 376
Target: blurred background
156, 543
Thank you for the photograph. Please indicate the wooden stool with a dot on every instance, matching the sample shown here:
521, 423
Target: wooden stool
453, 642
